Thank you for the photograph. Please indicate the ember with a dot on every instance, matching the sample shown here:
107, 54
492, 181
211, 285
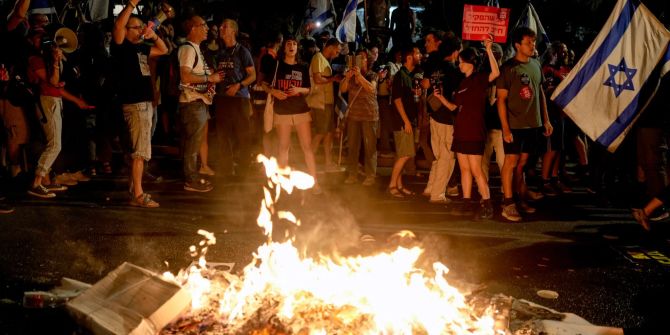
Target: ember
284, 292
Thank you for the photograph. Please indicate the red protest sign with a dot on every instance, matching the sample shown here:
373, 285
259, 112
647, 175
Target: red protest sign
479, 21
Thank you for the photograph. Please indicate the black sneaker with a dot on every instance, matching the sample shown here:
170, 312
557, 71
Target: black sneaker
485, 211
41, 192
200, 185
465, 208
6, 209
548, 190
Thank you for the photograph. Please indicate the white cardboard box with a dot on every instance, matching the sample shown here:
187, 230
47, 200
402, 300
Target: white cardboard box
129, 300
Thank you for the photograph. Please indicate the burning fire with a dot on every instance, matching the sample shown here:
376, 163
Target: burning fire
284, 292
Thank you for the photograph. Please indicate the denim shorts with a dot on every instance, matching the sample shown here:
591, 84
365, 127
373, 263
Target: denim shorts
138, 117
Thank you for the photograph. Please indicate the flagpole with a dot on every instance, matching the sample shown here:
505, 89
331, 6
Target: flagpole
365, 20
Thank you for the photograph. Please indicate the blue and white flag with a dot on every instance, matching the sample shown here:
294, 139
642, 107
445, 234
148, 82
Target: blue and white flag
41, 7
98, 9
320, 12
346, 31
530, 19
618, 75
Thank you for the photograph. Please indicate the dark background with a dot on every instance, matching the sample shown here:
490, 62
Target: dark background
575, 22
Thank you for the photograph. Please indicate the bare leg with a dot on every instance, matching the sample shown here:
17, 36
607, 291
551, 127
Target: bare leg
284, 136
137, 169
328, 148
507, 174
519, 180
466, 175
396, 174
304, 131
548, 160
477, 172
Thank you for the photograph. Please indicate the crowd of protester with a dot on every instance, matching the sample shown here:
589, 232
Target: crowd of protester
128, 86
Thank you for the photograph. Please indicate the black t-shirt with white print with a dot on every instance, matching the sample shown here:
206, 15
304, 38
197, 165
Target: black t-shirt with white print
296, 75
134, 77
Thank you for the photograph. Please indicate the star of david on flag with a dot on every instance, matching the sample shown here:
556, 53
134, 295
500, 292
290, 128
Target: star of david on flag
629, 73
618, 75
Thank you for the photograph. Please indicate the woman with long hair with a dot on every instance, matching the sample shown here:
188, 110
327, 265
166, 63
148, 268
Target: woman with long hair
290, 85
470, 128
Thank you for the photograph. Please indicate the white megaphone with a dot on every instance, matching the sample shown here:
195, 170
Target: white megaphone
66, 39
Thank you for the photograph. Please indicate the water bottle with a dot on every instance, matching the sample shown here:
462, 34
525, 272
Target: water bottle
417, 90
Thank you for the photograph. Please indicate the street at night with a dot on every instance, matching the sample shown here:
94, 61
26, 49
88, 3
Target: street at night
591, 252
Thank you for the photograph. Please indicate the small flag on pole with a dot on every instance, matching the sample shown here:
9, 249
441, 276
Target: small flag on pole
321, 13
41, 7
618, 75
346, 31
530, 19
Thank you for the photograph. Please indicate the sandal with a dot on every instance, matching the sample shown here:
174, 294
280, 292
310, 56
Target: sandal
395, 192
405, 191
144, 200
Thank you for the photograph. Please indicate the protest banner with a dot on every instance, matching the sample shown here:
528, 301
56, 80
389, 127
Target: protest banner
480, 21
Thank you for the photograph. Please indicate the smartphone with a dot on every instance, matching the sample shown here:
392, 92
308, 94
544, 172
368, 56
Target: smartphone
359, 61
350, 62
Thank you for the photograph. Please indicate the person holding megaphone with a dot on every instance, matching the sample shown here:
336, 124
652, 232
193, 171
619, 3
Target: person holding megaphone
45, 69
133, 44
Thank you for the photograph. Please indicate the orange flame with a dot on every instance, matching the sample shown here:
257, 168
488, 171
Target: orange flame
381, 294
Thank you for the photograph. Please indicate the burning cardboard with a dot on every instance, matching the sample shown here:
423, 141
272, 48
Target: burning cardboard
129, 300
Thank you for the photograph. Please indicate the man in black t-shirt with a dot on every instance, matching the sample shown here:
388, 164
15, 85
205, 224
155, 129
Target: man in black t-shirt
135, 91
441, 75
404, 119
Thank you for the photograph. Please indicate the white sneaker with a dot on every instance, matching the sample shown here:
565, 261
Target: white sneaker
452, 191
351, 180
369, 181
510, 213
442, 199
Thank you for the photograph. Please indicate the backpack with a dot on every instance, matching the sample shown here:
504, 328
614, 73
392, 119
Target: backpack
174, 79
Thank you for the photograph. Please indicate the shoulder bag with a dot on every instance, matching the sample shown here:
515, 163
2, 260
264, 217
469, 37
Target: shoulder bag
268, 113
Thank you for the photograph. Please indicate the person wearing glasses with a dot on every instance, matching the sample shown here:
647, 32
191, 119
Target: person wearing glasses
193, 107
133, 45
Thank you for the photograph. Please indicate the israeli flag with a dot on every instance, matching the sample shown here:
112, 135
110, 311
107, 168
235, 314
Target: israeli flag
320, 12
618, 75
346, 31
530, 19
41, 7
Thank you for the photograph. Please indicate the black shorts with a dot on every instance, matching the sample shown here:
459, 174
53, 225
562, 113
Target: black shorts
468, 148
524, 140
555, 142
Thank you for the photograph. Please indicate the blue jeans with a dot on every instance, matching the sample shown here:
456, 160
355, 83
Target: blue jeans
193, 117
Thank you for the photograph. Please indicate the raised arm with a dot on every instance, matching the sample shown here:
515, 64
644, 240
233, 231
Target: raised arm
119, 31
18, 14
495, 71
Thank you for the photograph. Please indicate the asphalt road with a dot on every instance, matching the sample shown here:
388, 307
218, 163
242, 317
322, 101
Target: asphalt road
591, 252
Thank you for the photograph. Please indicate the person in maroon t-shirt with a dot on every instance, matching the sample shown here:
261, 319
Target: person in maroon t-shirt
470, 129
